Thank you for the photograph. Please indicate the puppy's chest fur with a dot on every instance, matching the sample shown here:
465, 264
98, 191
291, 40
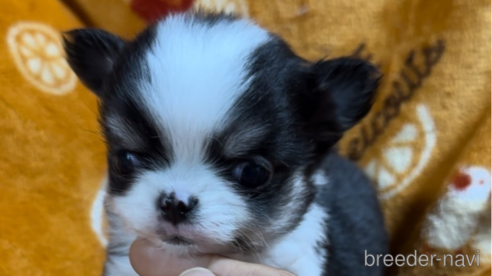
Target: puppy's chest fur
302, 251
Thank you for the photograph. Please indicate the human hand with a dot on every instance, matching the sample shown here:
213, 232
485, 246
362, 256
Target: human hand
150, 261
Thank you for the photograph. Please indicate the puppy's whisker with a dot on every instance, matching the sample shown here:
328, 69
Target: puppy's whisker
252, 248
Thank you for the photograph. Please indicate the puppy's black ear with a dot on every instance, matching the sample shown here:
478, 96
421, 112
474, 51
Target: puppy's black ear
344, 91
91, 54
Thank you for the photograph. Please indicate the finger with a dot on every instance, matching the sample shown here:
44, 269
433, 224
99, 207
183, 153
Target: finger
227, 267
197, 271
147, 260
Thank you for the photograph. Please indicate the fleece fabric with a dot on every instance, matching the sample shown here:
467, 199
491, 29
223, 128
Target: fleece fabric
426, 143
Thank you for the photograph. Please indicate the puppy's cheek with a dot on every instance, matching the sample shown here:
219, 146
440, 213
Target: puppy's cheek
137, 208
222, 213
287, 211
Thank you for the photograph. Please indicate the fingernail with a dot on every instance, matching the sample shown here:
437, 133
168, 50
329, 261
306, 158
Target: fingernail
197, 271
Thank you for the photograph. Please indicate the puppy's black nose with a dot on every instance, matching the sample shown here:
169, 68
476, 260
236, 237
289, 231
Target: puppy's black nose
174, 209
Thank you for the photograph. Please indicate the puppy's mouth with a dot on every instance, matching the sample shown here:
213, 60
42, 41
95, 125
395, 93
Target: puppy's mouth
177, 240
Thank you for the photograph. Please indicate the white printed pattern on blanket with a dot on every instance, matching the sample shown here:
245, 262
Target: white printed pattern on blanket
97, 214
457, 215
37, 52
400, 161
229, 6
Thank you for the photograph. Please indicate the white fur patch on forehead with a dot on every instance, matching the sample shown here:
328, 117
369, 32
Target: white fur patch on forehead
198, 70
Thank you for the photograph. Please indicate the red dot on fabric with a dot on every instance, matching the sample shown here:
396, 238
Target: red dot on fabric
153, 10
461, 181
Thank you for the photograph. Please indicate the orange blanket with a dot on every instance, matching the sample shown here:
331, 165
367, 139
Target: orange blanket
426, 143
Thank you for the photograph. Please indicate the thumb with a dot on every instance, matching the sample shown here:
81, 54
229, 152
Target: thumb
227, 267
150, 261
197, 271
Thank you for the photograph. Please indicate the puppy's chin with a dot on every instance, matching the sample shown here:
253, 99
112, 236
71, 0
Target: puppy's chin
178, 240
187, 240
180, 245
177, 245
184, 239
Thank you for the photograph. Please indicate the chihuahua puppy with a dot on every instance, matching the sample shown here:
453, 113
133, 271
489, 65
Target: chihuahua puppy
220, 141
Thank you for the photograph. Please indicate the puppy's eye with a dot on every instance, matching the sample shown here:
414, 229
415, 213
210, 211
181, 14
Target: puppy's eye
125, 162
253, 173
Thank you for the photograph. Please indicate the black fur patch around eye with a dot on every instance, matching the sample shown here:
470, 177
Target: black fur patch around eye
152, 149
135, 129
267, 107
